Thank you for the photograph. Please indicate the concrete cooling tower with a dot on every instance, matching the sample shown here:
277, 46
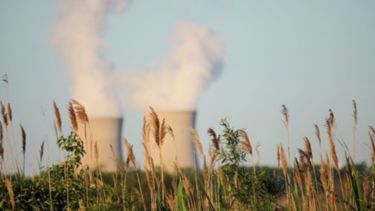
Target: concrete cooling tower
181, 150
105, 131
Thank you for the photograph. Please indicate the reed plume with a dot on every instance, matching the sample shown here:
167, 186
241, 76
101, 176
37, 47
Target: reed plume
197, 143
308, 147
58, 121
285, 113
317, 133
214, 138
9, 112
130, 159
246, 144
283, 161
80, 111
72, 117
4, 114
355, 123
41, 151
23, 139
330, 123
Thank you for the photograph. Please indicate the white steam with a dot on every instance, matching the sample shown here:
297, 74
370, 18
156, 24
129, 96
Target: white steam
78, 36
176, 82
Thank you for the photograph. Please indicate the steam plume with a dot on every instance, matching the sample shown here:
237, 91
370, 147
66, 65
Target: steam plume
78, 36
176, 81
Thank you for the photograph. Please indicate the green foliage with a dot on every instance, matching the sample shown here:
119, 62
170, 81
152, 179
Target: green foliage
246, 187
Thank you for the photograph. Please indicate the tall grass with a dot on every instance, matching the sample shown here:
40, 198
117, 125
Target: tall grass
227, 180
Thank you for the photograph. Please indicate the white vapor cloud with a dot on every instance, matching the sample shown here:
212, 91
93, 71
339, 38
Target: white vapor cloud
175, 82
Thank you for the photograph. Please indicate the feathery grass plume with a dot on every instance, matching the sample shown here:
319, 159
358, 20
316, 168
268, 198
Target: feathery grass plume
324, 176
355, 123
214, 138
330, 129
298, 175
355, 113
130, 159
213, 156
148, 157
246, 142
4, 114
9, 112
72, 117
317, 133
9, 187
285, 113
308, 147
145, 130
58, 121
284, 163
197, 143
80, 111
23, 139
41, 151
156, 127
304, 159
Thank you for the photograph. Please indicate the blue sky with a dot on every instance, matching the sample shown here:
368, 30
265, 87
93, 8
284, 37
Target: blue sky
310, 56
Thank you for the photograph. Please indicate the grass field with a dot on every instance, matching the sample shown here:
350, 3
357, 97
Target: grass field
228, 180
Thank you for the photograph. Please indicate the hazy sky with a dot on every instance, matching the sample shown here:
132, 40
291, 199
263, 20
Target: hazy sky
310, 56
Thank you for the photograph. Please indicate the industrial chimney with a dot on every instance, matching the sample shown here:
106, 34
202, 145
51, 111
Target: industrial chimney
106, 132
179, 151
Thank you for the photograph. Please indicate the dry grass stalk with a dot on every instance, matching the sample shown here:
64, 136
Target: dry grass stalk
330, 129
308, 147
155, 126
355, 123
80, 111
214, 138
58, 121
130, 159
278, 156
9, 112
72, 117
197, 143
317, 133
213, 156
283, 161
246, 144
9, 187
4, 114
41, 151
145, 130
285, 113
324, 176
23, 139
372, 139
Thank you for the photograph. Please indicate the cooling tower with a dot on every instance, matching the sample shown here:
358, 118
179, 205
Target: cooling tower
179, 151
106, 132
